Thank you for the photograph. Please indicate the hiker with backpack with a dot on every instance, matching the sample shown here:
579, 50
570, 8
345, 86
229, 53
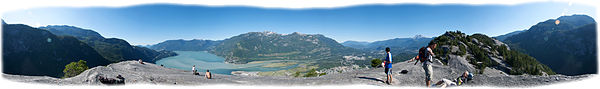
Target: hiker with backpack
388, 65
426, 58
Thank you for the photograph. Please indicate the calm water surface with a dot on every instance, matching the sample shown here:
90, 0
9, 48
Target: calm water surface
204, 60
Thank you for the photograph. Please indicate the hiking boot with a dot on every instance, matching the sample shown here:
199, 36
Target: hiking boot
387, 82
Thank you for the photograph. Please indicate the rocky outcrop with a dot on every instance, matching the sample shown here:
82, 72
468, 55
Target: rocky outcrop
135, 73
478, 52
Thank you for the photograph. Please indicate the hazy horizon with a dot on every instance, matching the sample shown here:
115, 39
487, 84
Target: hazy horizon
153, 23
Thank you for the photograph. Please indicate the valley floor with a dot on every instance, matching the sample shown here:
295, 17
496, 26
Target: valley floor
135, 73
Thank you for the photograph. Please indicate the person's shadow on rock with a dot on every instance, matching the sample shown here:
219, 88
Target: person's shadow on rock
369, 78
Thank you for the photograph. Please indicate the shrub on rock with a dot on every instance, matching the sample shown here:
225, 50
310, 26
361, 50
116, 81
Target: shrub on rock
75, 68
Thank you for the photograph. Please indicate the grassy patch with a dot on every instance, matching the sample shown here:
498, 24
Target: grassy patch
280, 64
301, 68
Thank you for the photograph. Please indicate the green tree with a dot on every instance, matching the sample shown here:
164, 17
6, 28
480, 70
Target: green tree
297, 74
75, 68
313, 73
321, 74
376, 62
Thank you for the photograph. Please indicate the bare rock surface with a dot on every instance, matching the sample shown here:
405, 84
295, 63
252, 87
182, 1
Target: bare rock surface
135, 73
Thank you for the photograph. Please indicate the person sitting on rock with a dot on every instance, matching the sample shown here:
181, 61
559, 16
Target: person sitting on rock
444, 83
208, 75
462, 79
140, 60
121, 79
111, 81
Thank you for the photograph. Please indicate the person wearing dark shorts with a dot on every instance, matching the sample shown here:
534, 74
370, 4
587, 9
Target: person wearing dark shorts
388, 71
388, 65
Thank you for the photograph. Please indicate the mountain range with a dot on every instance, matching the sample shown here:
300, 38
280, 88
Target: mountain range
503, 37
32, 51
465, 52
398, 44
263, 46
401, 48
46, 50
185, 45
566, 44
113, 49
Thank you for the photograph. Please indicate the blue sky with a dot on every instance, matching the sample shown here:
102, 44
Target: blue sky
154, 23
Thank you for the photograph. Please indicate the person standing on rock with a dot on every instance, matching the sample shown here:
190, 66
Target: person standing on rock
427, 63
388, 65
194, 69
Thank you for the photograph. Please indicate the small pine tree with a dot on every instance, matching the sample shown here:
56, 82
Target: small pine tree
75, 68
321, 74
376, 62
311, 73
297, 74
